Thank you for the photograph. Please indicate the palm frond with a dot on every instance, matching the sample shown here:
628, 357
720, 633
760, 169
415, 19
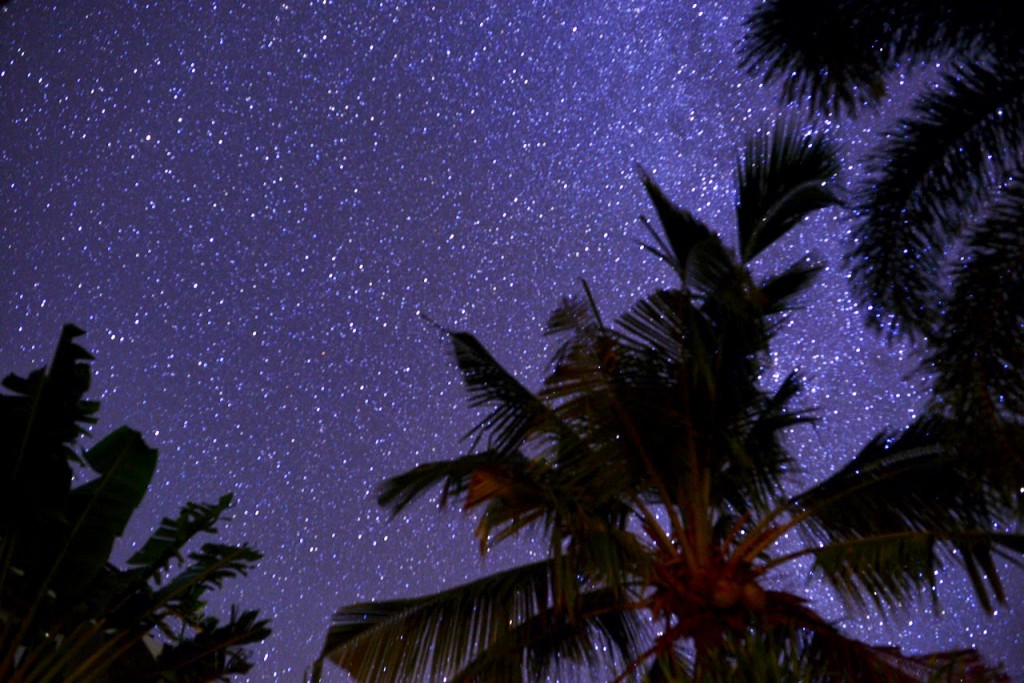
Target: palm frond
783, 176
669, 665
515, 498
824, 52
978, 353
515, 410
909, 480
571, 317
829, 652
886, 520
668, 356
685, 234
663, 326
583, 385
798, 648
600, 623
680, 370
892, 570
792, 643
586, 340
442, 632
777, 292
397, 492
570, 501
750, 478
579, 506
934, 172
837, 54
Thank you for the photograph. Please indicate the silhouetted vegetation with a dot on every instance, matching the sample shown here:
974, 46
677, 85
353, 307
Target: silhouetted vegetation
650, 467
67, 613
939, 238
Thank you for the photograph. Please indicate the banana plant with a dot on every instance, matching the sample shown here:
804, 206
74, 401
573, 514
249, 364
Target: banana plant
66, 612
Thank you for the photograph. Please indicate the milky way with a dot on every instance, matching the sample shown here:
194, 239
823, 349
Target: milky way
250, 206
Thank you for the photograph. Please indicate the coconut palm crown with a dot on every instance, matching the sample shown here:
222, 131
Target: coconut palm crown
649, 469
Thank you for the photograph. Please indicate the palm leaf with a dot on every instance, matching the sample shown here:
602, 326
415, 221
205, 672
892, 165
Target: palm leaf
399, 491
750, 478
516, 498
665, 354
663, 327
685, 234
581, 509
793, 643
571, 317
978, 353
552, 639
914, 473
917, 199
515, 411
584, 332
680, 370
883, 523
783, 177
836, 54
892, 570
818, 51
776, 292
443, 632
798, 648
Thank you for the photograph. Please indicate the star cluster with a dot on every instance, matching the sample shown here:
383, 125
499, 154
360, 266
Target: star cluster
252, 207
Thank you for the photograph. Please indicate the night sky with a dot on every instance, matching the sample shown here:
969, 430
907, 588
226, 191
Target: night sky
249, 206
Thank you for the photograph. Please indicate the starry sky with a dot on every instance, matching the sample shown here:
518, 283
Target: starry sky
250, 205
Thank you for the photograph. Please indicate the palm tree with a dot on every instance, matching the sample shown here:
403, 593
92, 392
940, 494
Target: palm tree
650, 467
939, 235
66, 613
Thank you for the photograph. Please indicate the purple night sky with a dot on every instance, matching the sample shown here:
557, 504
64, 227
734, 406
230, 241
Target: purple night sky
247, 205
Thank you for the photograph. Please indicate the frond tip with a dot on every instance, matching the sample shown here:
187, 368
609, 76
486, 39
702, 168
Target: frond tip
784, 176
514, 409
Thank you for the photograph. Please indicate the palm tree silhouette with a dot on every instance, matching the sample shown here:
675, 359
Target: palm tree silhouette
651, 469
939, 237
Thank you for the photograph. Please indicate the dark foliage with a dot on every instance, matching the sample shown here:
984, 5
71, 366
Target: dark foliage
938, 238
66, 613
652, 467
